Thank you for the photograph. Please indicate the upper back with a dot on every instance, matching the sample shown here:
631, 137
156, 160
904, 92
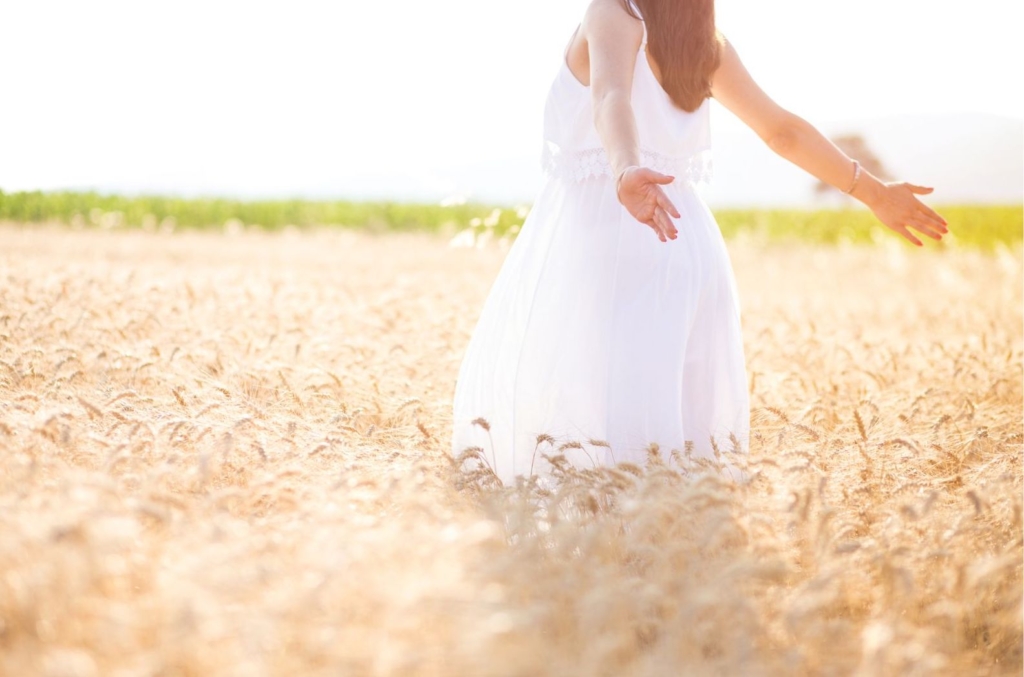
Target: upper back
670, 137
614, 32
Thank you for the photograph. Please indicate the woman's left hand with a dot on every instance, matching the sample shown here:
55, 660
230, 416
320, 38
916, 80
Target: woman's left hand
896, 205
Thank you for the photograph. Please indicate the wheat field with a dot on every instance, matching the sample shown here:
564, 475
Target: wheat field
227, 454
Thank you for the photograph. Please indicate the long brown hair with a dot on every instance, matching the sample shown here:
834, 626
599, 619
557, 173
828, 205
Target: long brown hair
685, 44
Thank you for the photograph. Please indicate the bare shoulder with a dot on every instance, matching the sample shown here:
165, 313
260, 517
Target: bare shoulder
609, 18
605, 46
616, 8
731, 71
729, 58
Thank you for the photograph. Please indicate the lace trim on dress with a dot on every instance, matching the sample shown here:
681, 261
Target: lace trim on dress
696, 169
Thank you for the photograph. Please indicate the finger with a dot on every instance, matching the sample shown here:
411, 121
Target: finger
902, 230
933, 223
657, 229
933, 215
666, 224
920, 190
671, 224
920, 221
653, 223
658, 177
925, 227
667, 205
923, 220
653, 226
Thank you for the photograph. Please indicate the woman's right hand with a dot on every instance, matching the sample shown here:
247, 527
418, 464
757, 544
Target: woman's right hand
639, 190
895, 205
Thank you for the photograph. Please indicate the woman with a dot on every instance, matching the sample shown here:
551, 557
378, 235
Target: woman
598, 339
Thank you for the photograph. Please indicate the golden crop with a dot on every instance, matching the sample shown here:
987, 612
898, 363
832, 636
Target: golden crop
228, 454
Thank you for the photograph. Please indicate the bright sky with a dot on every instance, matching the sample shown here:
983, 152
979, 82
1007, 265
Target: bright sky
219, 97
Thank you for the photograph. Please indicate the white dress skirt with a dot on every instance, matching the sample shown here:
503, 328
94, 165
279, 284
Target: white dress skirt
595, 333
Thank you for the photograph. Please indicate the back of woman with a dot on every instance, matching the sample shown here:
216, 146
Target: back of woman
672, 140
598, 340
595, 333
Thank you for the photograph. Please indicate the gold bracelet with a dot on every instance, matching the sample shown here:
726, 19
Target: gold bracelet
856, 177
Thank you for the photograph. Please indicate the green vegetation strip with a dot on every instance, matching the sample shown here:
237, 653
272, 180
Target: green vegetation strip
977, 226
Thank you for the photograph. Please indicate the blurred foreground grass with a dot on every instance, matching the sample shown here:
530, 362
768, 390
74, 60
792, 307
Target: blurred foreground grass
982, 226
231, 456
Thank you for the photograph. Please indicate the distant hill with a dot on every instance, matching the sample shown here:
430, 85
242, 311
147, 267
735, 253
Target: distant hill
967, 157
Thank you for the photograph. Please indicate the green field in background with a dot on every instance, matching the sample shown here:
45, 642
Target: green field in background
977, 226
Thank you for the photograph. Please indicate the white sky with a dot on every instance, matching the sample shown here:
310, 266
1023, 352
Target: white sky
249, 98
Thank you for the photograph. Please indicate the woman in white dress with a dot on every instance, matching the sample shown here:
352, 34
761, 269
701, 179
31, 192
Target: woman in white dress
614, 321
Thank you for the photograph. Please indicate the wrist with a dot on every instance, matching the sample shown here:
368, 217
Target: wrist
621, 173
869, 189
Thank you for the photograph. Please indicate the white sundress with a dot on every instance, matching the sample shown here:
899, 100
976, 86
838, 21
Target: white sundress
596, 331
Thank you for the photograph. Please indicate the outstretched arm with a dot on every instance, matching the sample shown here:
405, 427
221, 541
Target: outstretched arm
613, 39
798, 141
